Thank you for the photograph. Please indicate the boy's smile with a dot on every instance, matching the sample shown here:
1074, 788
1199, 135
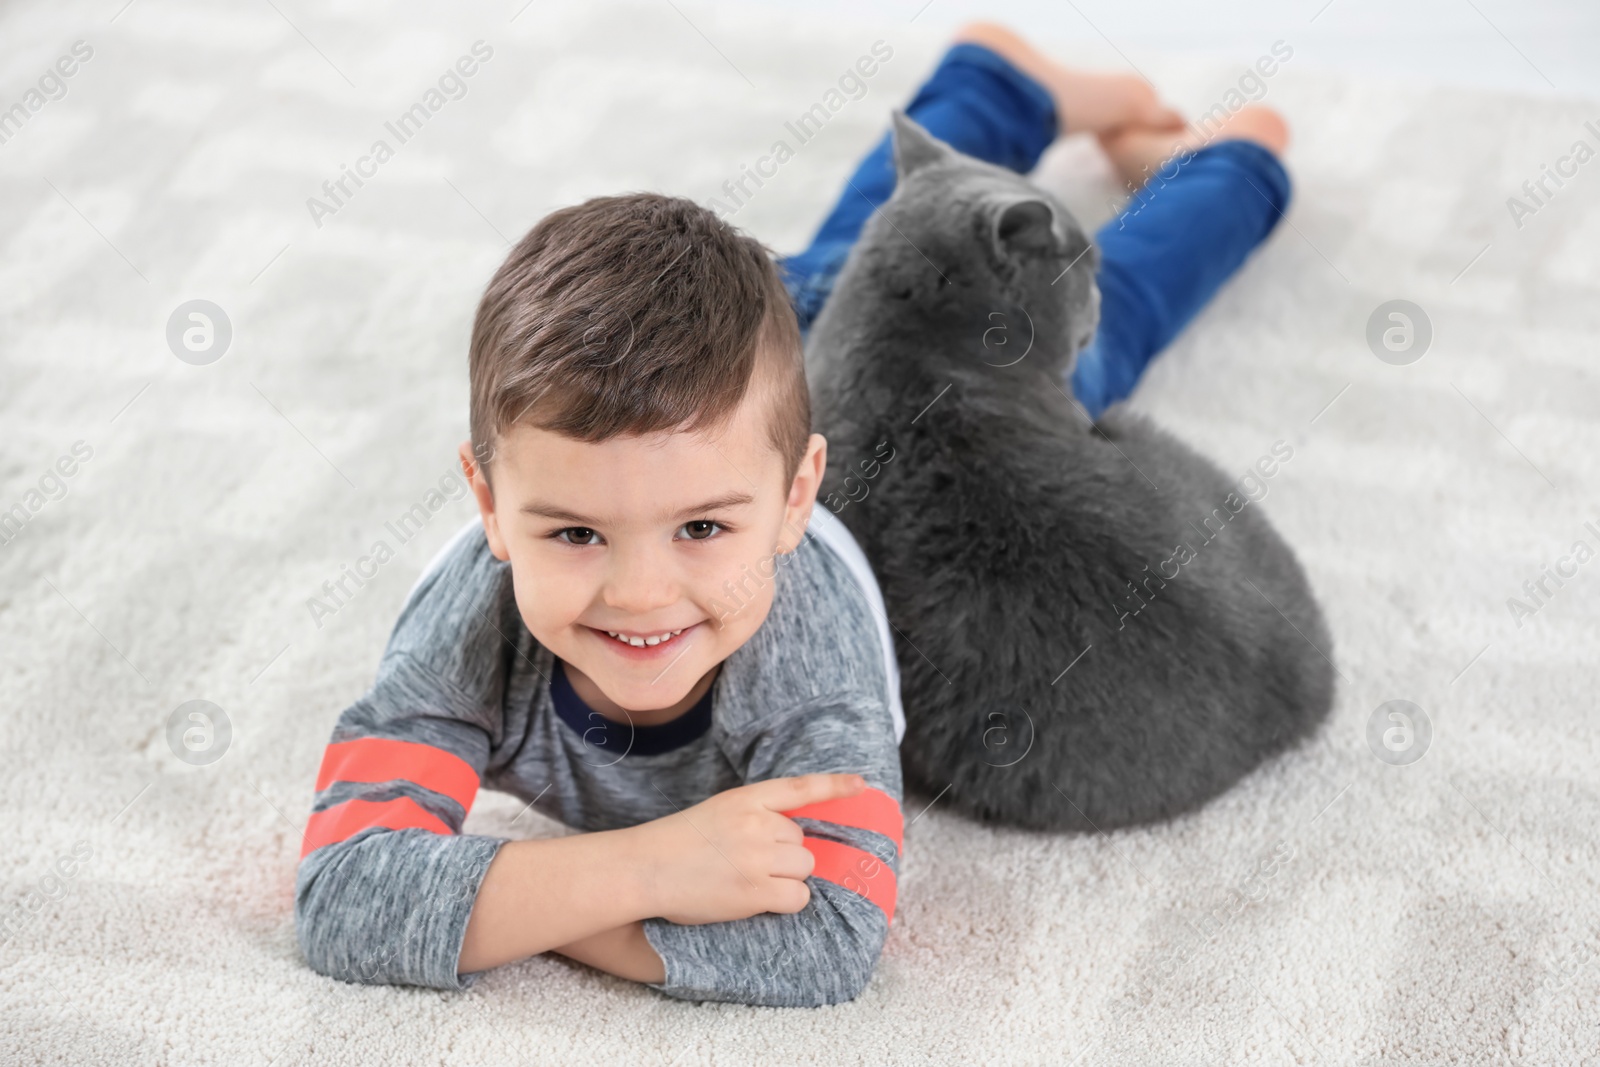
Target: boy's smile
635, 559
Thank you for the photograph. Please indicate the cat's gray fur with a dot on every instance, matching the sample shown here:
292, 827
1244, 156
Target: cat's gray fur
1006, 531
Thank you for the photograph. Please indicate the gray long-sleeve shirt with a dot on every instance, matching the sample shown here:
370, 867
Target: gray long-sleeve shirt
463, 698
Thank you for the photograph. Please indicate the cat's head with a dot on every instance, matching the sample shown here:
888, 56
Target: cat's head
995, 260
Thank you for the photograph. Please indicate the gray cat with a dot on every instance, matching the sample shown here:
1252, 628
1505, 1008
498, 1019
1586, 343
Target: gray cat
1096, 626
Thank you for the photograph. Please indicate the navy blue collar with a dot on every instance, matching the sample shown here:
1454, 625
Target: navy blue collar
622, 737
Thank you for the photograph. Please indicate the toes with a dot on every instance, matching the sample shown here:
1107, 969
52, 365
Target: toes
1163, 117
1263, 125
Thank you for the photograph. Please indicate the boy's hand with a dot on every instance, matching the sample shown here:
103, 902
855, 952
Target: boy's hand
735, 855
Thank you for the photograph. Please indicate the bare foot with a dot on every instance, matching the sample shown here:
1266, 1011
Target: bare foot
1138, 152
1085, 101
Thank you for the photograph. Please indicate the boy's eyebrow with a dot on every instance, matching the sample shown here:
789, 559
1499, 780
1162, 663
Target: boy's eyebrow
550, 511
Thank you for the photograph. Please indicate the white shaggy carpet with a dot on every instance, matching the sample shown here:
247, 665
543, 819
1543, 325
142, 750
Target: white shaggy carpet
1333, 909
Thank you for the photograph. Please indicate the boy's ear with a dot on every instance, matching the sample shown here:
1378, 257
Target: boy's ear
915, 147
484, 495
803, 494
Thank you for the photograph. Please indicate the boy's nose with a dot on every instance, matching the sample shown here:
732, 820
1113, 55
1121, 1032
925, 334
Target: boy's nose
639, 582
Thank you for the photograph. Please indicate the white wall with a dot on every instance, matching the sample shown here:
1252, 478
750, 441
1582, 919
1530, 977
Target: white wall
1538, 46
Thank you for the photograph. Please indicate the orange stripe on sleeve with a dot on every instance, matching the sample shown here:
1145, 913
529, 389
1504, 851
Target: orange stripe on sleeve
343, 821
382, 759
858, 871
870, 809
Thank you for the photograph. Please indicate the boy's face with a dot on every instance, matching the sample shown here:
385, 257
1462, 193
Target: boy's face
644, 536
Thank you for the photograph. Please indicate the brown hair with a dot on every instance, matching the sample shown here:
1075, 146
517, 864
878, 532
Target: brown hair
631, 315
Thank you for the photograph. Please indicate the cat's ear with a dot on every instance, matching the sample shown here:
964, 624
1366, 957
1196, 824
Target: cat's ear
1027, 227
915, 147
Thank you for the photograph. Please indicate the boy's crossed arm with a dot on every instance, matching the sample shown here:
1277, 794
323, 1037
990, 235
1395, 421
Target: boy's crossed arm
745, 903
626, 950
727, 858
827, 951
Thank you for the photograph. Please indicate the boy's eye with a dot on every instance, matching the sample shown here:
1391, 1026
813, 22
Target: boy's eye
700, 529
578, 535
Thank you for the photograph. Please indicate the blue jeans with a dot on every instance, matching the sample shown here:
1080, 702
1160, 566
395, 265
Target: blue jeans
1191, 226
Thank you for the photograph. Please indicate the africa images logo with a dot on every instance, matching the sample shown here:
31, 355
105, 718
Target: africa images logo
451, 85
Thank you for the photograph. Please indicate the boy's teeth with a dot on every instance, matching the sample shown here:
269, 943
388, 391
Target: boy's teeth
644, 642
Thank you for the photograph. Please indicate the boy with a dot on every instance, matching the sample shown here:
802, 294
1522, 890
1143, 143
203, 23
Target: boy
652, 634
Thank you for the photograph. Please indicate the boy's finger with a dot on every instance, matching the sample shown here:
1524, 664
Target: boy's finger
784, 794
